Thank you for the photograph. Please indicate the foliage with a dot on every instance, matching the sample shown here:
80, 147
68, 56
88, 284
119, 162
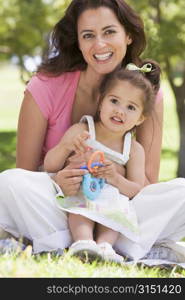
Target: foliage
25, 26
165, 28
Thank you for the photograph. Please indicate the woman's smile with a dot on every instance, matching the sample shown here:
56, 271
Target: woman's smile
102, 40
103, 57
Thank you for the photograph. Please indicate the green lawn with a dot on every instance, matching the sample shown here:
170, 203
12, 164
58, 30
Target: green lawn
26, 265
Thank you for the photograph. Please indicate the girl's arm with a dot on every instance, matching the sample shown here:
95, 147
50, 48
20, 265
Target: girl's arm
135, 172
73, 140
149, 135
30, 136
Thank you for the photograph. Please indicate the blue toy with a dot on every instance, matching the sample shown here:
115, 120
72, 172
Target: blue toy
91, 186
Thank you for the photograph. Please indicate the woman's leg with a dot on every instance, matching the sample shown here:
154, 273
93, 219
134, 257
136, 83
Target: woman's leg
81, 227
160, 209
28, 209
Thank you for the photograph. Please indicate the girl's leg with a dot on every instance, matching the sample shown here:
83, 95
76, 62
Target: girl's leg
105, 234
28, 209
81, 227
84, 246
105, 238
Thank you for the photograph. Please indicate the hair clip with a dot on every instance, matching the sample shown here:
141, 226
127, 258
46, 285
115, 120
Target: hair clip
146, 68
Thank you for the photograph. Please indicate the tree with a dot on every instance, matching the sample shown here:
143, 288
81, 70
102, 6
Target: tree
165, 28
25, 26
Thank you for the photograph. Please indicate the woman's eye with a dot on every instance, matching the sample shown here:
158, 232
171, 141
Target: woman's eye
110, 31
87, 36
114, 101
131, 107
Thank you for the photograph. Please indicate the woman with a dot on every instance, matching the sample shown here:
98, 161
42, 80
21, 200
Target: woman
92, 39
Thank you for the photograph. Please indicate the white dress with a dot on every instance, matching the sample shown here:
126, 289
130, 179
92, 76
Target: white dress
110, 208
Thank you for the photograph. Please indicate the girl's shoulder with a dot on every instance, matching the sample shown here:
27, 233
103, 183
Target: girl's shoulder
136, 148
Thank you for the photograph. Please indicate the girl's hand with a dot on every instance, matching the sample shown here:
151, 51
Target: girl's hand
76, 142
69, 179
79, 145
108, 172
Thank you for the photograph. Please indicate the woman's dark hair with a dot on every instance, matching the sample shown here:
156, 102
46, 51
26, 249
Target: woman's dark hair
64, 53
148, 82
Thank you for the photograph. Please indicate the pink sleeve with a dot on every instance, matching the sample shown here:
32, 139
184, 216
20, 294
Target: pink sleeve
41, 91
159, 95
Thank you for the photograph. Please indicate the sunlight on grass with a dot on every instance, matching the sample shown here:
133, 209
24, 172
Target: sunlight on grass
27, 265
170, 143
11, 95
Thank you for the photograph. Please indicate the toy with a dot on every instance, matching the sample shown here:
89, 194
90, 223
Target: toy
91, 186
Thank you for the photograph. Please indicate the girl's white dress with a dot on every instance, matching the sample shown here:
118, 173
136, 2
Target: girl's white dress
110, 208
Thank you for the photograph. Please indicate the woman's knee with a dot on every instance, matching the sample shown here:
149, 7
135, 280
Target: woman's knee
9, 179
10, 176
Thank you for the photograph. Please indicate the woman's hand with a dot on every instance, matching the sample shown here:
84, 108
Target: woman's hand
70, 178
108, 172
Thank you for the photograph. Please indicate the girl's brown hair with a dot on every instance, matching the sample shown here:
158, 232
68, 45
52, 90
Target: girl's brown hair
148, 82
64, 53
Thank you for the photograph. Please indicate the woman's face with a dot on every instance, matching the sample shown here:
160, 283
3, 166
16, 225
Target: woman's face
102, 39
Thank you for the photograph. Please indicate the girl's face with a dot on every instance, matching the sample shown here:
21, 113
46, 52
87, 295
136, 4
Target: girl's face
102, 39
122, 108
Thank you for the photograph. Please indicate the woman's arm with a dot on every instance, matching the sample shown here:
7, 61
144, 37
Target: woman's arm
31, 132
149, 135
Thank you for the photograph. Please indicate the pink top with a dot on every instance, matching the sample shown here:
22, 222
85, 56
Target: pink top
55, 97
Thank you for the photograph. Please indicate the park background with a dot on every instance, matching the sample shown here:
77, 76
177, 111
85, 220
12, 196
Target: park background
24, 31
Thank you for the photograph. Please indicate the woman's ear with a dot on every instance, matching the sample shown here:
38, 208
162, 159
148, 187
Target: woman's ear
129, 39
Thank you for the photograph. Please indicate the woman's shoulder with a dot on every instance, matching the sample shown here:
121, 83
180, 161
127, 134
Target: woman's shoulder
52, 82
53, 93
159, 95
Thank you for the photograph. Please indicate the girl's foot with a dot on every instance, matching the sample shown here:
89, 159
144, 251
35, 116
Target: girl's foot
108, 254
86, 250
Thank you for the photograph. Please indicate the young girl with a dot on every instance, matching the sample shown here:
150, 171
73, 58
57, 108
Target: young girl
126, 98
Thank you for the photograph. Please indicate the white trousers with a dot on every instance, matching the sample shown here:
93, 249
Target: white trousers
28, 208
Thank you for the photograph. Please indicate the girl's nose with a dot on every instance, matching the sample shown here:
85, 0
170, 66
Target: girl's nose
120, 111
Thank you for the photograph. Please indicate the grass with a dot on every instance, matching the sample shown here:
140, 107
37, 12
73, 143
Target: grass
27, 265
48, 266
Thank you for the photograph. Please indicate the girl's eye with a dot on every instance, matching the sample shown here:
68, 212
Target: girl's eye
87, 36
114, 101
131, 107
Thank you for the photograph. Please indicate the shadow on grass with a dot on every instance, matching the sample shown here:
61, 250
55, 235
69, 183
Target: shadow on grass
168, 153
7, 150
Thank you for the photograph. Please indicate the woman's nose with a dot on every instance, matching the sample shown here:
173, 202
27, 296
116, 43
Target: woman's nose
99, 42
